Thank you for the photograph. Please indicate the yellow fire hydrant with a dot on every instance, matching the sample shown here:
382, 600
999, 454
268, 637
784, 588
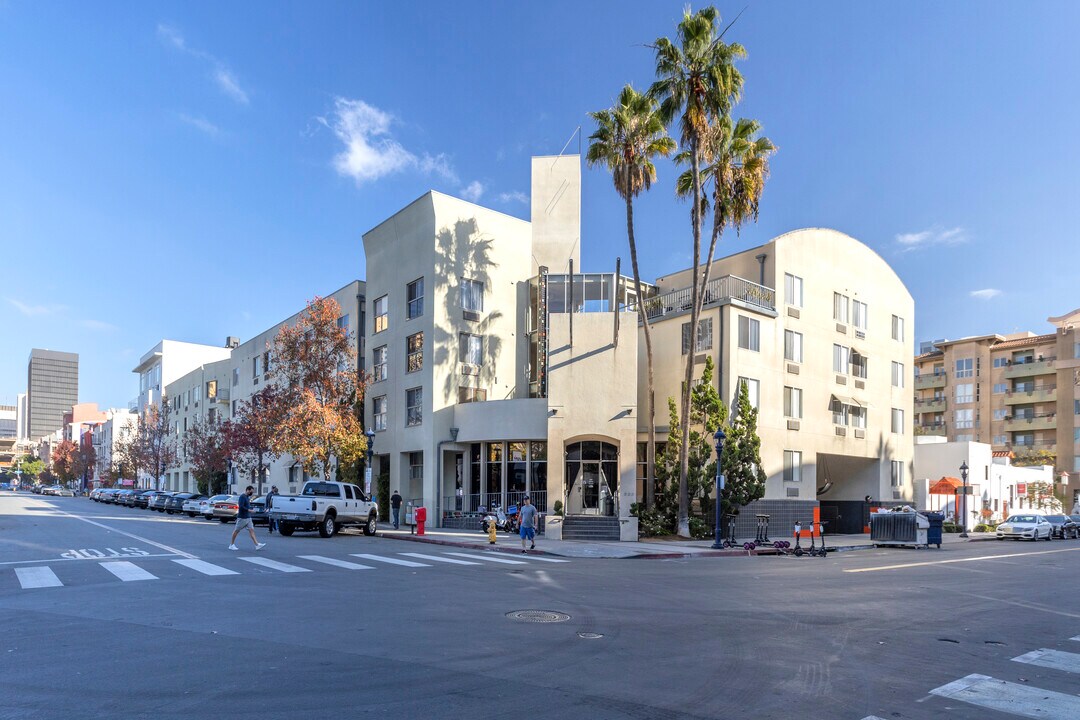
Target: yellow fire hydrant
491, 532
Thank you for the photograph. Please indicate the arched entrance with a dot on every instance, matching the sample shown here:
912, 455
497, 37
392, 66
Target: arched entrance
592, 478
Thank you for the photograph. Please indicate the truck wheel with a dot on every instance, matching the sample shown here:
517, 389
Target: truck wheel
285, 529
370, 527
327, 527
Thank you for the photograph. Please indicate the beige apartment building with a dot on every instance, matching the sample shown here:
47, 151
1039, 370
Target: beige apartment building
1016, 392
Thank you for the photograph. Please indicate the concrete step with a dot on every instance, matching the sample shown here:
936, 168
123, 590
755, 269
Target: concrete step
586, 527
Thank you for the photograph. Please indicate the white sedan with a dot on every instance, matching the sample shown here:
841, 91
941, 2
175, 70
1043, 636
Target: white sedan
1025, 527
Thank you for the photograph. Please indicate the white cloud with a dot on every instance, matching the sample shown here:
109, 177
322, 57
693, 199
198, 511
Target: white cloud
201, 124
985, 294
371, 152
936, 235
99, 325
515, 196
34, 310
224, 78
473, 191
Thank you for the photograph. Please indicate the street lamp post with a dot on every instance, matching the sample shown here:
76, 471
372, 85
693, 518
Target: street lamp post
719, 436
370, 458
963, 490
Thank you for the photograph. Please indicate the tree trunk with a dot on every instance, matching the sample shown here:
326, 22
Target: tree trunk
683, 529
643, 315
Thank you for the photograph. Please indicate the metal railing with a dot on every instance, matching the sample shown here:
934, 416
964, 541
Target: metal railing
728, 287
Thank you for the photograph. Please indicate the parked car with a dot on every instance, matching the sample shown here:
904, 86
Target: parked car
1025, 527
326, 507
158, 503
175, 503
64, 492
194, 505
142, 498
259, 514
123, 497
1063, 526
225, 510
1076, 521
208, 509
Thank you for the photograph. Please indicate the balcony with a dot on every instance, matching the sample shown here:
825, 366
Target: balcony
937, 428
1045, 421
1034, 394
1044, 366
1047, 445
720, 291
933, 380
931, 405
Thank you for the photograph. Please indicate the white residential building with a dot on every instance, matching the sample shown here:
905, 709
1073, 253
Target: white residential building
169, 360
107, 434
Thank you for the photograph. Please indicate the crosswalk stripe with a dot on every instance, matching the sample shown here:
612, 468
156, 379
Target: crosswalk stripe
1007, 697
205, 568
1055, 659
392, 561
274, 564
335, 562
436, 558
127, 571
1077, 638
537, 558
37, 577
487, 558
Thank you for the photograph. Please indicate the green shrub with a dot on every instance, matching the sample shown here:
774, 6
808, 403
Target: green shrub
950, 528
558, 508
985, 527
699, 528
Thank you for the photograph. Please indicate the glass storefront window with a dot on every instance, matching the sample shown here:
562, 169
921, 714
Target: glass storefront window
494, 473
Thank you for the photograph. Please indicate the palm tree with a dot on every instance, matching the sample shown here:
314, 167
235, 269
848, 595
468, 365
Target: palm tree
628, 136
696, 76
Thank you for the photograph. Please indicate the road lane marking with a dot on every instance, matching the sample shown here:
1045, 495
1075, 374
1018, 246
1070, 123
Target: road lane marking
1007, 697
475, 556
336, 563
436, 558
392, 561
1054, 659
127, 571
957, 560
1017, 603
68, 559
536, 558
1077, 638
37, 577
274, 564
158, 545
204, 567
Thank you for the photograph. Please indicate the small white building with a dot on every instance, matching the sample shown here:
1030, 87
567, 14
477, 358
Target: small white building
117, 425
168, 361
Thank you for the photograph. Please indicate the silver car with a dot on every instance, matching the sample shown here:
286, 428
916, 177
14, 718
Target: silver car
1029, 526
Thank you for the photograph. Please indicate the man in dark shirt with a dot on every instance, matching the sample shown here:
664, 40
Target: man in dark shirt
243, 519
395, 507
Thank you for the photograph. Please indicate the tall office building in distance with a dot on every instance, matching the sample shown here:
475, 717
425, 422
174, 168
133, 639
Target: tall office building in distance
52, 386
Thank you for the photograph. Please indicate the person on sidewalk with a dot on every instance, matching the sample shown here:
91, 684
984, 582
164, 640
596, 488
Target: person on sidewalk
527, 518
243, 519
270, 523
395, 508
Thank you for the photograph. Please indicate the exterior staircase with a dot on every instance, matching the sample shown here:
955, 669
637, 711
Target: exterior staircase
590, 527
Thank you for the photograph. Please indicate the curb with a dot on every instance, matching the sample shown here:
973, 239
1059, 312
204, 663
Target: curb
471, 546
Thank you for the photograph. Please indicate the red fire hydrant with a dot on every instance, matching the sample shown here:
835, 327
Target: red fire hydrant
421, 518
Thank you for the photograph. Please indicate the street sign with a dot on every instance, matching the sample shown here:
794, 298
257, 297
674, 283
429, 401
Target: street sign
367, 481
1021, 488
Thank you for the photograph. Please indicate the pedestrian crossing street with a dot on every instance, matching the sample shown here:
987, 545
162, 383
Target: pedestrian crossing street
32, 577
1019, 699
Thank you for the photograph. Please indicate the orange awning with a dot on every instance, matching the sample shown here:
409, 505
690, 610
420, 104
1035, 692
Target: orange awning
945, 486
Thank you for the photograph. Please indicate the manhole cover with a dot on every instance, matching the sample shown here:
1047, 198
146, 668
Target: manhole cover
589, 636
538, 616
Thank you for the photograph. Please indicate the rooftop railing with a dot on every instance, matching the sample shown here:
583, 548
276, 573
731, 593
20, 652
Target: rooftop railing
722, 289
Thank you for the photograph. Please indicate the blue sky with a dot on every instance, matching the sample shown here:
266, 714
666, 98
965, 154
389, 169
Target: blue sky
180, 170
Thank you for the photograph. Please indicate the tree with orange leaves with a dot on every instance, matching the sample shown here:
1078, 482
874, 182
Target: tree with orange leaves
314, 369
65, 460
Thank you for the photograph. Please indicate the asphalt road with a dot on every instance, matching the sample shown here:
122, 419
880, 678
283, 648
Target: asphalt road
126, 622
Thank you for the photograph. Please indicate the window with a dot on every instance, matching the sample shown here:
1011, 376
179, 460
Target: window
965, 393
414, 352
898, 328
859, 314
414, 299
793, 294
898, 473
1076, 407
1000, 413
235, 376
898, 421
1076, 350
841, 359
1000, 362
381, 311
793, 346
1076, 435
965, 367
472, 295
704, 336
839, 412
256, 366
471, 349
343, 322
378, 411
792, 466
898, 375
857, 416
414, 411
416, 466
840, 307
211, 390
378, 363
749, 333
1000, 388
753, 390
468, 394
792, 402
267, 358
1000, 439
965, 419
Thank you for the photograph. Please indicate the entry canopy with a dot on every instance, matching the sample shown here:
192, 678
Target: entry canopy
945, 486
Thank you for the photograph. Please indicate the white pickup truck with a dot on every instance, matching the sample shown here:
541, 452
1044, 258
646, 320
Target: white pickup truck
326, 507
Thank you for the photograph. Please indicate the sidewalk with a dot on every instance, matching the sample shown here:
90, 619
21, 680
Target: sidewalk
654, 548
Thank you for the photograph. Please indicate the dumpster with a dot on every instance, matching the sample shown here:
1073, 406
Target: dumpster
899, 528
933, 532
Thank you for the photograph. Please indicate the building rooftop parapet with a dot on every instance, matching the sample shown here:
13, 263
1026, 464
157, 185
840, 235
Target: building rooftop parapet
728, 289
